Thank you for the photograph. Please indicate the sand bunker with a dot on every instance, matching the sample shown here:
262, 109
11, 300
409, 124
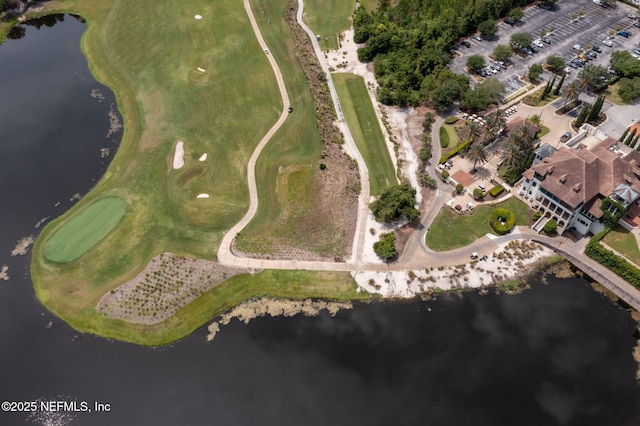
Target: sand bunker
203, 196
198, 17
203, 157
201, 69
178, 157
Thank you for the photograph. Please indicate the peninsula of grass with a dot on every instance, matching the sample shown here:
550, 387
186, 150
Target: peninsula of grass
624, 242
83, 231
451, 230
365, 128
208, 83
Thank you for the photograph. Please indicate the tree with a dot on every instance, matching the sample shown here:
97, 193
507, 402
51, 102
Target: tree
623, 135
521, 40
556, 91
534, 71
385, 247
594, 76
595, 111
511, 155
548, 4
477, 155
395, 201
582, 116
625, 64
630, 137
427, 181
516, 14
475, 62
536, 120
488, 28
635, 141
471, 131
502, 52
556, 64
478, 193
571, 92
445, 175
459, 188
629, 89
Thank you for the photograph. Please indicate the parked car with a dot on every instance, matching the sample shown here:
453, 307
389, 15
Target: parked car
607, 43
577, 47
533, 49
458, 207
477, 37
612, 71
567, 70
509, 21
502, 65
538, 43
572, 64
632, 16
591, 55
546, 40
624, 34
465, 43
565, 137
596, 49
637, 25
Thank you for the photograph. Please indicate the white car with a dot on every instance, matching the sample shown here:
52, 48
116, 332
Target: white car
576, 47
538, 43
607, 43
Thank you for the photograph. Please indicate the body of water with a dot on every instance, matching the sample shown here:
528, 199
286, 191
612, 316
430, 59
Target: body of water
559, 354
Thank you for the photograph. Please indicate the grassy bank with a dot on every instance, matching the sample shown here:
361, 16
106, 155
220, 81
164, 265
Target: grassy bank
451, 230
365, 128
205, 82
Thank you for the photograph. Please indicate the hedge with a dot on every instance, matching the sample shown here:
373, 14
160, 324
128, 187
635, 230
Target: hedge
444, 137
453, 152
496, 190
497, 226
451, 120
611, 260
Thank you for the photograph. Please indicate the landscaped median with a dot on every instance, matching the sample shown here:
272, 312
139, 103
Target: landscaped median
451, 230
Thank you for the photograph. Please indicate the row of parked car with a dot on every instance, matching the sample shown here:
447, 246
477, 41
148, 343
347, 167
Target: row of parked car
494, 68
535, 46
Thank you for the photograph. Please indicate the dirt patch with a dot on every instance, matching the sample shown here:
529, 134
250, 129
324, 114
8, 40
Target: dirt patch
255, 308
168, 283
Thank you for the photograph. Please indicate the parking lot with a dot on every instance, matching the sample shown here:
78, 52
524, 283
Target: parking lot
572, 23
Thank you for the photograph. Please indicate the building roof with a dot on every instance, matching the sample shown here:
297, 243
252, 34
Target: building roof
519, 122
545, 151
581, 176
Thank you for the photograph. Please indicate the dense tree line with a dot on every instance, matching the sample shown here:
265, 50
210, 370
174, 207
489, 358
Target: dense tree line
409, 44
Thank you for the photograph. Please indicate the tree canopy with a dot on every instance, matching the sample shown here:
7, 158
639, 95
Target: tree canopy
595, 77
556, 63
534, 71
502, 52
394, 202
488, 28
385, 247
625, 64
476, 62
521, 40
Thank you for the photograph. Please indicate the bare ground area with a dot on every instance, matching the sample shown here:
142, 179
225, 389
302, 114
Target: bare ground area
255, 308
168, 283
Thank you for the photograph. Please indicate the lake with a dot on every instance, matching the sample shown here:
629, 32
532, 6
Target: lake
558, 354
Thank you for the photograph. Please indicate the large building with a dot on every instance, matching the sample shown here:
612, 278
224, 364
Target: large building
569, 185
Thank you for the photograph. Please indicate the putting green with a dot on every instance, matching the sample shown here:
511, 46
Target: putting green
84, 230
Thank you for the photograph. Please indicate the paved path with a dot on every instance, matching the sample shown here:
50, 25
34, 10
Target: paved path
416, 255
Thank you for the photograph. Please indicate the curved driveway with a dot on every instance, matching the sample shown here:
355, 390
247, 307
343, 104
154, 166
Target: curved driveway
416, 255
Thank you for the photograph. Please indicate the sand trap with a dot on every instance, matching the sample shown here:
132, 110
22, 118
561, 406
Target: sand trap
198, 17
203, 196
178, 157
203, 157
201, 69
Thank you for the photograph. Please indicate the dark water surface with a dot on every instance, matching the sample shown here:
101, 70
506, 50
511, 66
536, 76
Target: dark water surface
559, 354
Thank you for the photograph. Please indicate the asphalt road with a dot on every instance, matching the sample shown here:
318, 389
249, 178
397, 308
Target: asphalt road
595, 25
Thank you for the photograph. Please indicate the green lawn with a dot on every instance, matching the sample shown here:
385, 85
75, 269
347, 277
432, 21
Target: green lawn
85, 230
623, 242
328, 18
451, 230
613, 95
452, 136
543, 131
364, 126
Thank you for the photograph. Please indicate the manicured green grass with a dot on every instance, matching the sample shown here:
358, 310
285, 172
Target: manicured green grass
451, 230
451, 134
624, 242
328, 18
613, 95
364, 126
543, 131
84, 230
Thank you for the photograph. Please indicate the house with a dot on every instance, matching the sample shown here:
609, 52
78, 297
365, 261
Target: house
569, 185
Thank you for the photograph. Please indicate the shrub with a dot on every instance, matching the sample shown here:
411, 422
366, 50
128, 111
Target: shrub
612, 261
385, 248
444, 137
426, 180
451, 120
459, 188
445, 174
537, 215
550, 226
454, 151
478, 193
502, 221
496, 190
395, 201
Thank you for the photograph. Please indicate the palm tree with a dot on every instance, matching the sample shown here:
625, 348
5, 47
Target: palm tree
472, 131
476, 155
571, 92
535, 119
511, 155
500, 120
489, 129
528, 136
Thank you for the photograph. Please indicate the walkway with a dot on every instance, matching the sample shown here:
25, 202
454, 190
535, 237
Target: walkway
416, 254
